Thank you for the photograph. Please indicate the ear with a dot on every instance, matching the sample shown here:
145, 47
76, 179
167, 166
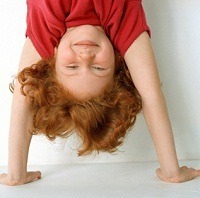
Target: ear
55, 50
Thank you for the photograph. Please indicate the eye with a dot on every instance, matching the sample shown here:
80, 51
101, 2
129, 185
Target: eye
72, 66
98, 68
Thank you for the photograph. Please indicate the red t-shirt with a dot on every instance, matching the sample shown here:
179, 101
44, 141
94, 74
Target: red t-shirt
47, 21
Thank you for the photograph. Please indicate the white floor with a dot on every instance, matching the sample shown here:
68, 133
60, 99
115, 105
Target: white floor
134, 180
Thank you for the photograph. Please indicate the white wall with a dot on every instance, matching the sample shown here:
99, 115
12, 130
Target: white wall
175, 26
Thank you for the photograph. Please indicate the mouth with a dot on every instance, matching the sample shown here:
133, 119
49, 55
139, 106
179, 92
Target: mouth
86, 43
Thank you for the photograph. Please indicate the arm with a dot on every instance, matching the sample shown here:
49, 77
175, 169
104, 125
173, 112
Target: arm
20, 123
142, 66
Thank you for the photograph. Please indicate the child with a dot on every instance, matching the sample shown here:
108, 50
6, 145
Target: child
82, 83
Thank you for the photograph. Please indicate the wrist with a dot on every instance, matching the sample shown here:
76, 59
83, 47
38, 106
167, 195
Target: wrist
16, 172
170, 176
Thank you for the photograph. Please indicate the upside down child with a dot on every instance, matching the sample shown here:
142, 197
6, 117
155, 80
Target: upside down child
88, 67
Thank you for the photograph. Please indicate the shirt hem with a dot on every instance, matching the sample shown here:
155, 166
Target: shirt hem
146, 29
37, 46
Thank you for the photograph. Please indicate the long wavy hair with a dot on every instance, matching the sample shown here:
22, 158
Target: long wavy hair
102, 122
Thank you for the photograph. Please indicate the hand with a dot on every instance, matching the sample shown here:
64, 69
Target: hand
186, 174
29, 177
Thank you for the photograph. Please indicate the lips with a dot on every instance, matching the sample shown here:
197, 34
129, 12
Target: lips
86, 42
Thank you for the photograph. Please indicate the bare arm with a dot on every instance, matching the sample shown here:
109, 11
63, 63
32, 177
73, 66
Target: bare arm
142, 66
20, 122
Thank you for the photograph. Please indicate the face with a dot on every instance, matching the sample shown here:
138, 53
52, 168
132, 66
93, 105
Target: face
85, 61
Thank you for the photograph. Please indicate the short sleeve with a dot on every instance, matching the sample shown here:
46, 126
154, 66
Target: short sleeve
131, 23
45, 25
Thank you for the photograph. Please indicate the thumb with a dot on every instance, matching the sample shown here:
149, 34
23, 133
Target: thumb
33, 176
160, 175
158, 172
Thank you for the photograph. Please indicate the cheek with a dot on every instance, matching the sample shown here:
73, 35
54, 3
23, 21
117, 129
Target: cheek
64, 48
108, 56
64, 52
110, 51
64, 56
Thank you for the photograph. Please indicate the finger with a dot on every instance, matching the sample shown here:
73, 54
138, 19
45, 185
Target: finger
184, 168
33, 176
158, 171
193, 169
5, 181
2, 178
159, 174
2, 175
194, 173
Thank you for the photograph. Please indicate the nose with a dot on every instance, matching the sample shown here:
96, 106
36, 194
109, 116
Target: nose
86, 55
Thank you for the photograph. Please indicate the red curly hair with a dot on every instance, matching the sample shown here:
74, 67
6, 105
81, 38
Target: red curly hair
102, 122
